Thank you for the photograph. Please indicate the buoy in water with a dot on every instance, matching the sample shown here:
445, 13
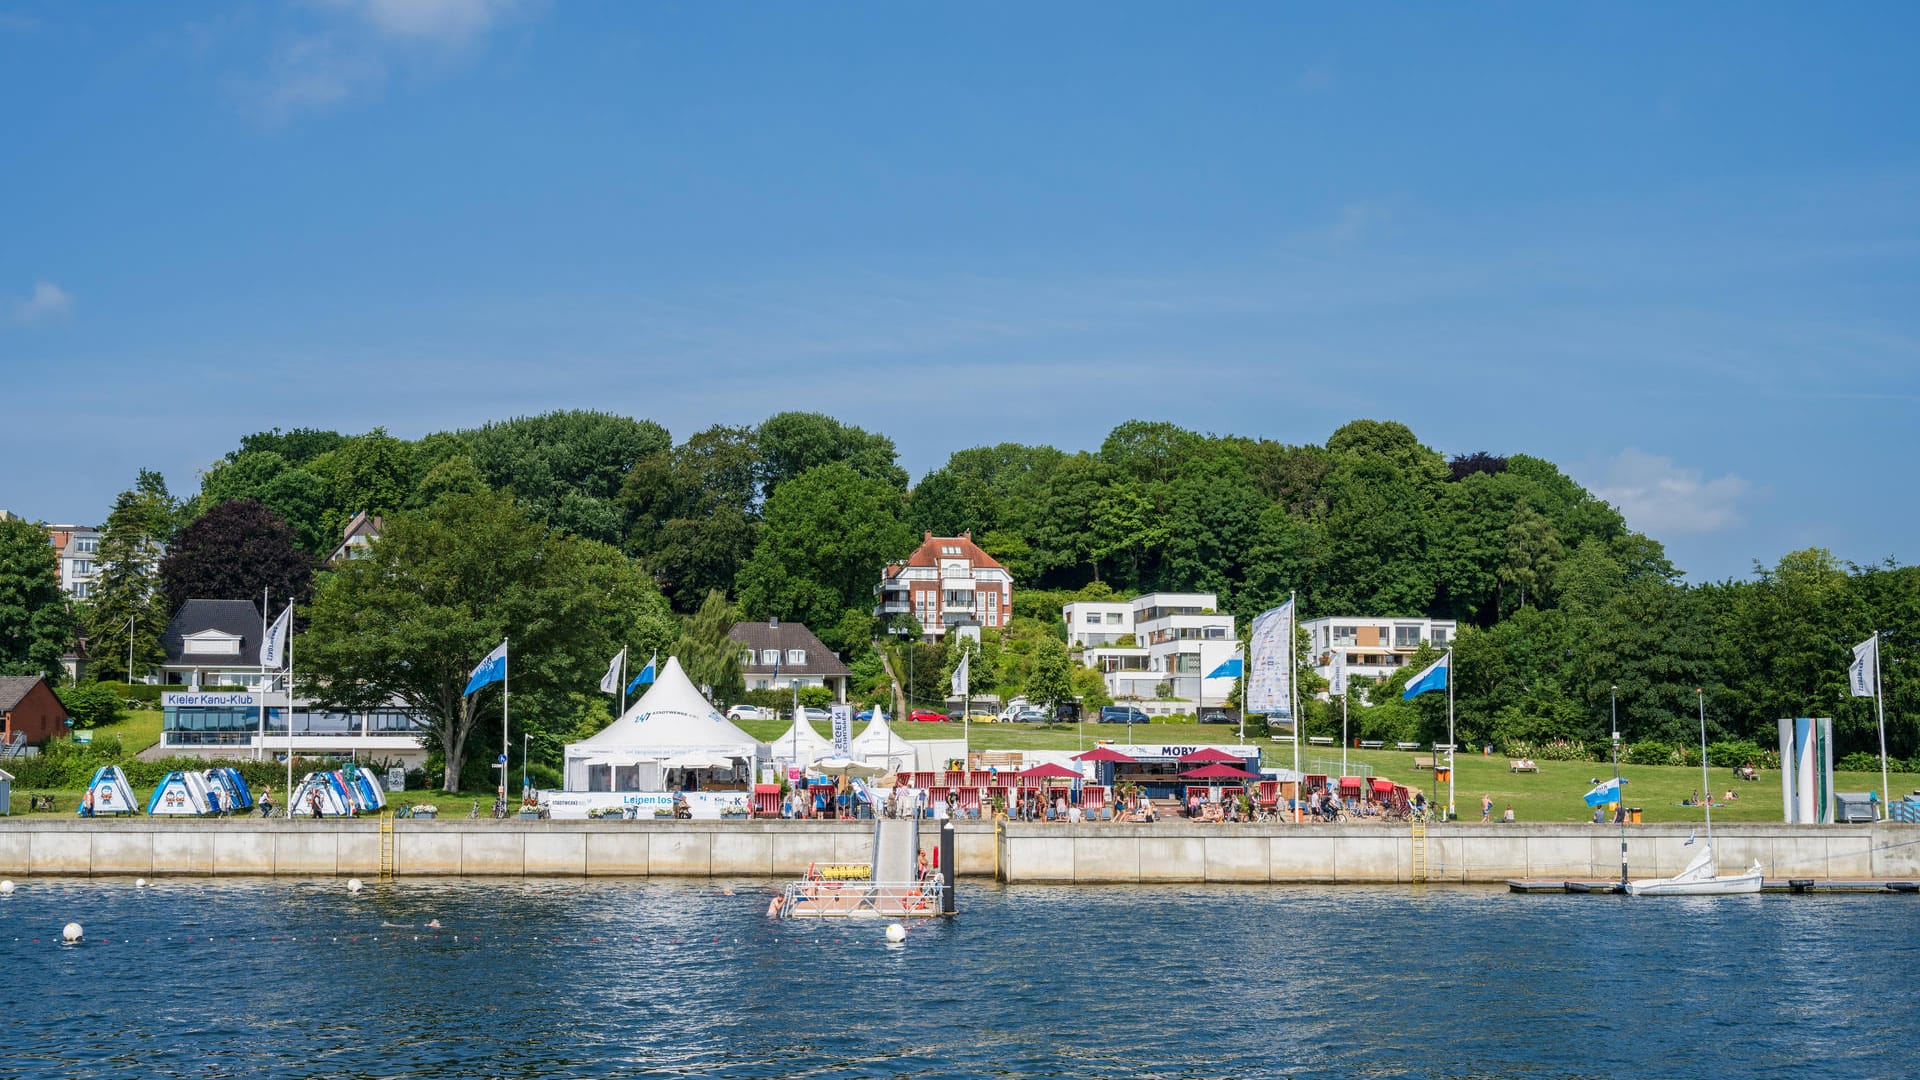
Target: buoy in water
896, 932
6, 888
72, 933
353, 884
139, 883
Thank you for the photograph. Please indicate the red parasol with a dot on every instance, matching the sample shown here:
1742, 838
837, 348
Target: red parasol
1104, 753
1219, 772
1049, 771
1207, 754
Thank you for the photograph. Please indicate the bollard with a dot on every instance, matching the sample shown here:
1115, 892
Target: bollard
949, 904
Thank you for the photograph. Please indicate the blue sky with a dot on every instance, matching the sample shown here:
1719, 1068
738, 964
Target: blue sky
1675, 250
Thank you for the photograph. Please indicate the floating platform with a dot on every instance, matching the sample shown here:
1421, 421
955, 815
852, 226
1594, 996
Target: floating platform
1772, 885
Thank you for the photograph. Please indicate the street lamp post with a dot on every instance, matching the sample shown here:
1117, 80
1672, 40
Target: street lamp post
1619, 810
130, 620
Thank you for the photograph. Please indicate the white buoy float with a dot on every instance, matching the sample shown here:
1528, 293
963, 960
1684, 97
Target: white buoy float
6, 888
896, 932
353, 884
139, 883
72, 933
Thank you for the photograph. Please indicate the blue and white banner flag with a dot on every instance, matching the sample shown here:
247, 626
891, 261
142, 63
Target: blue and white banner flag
1434, 678
1607, 792
1866, 657
1337, 681
610, 682
1228, 669
1269, 689
1690, 837
273, 648
646, 674
491, 670
963, 675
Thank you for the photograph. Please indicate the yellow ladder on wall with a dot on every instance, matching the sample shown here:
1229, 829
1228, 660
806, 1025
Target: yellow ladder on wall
386, 846
1419, 852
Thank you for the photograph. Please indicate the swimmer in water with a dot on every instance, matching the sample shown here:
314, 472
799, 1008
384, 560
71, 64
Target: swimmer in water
433, 924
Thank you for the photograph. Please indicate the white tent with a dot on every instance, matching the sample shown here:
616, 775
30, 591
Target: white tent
811, 746
879, 745
670, 726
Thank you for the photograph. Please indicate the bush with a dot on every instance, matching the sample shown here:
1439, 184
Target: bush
1647, 752
91, 704
1733, 753
1859, 761
1556, 750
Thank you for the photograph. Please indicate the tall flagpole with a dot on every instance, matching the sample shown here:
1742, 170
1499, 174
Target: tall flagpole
1880, 707
623, 681
1293, 693
505, 693
288, 794
1453, 748
266, 601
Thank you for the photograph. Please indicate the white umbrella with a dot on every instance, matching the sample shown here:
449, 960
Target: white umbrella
847, 767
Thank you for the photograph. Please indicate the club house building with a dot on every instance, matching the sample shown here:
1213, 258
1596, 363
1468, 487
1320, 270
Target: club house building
225, 707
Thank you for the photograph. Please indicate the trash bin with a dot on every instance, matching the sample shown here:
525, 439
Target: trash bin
1441, 774
1633, 815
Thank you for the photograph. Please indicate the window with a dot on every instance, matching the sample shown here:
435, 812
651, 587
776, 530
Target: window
949, 549
746, 658
1406, 637
1439, 635
796, 656
769, 657
85, 547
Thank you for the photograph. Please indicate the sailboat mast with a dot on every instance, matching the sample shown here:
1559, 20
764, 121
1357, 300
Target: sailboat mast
1706, 786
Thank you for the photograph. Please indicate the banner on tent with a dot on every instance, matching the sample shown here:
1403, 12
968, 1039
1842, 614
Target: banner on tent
703, 805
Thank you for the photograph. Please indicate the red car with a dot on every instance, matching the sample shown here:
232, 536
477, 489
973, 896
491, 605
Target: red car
928, 717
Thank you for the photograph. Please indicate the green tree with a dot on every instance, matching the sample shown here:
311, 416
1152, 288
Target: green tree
35, 624
91, 704
707, 652
792, 443
1050, 681
828, 534
126, 599
446, 585
295, 493
694, 512
233, 552
371, 473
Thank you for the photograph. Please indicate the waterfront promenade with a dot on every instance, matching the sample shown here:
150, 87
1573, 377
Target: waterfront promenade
1167, 852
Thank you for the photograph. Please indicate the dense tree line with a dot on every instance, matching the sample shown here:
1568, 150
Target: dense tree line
1565, 610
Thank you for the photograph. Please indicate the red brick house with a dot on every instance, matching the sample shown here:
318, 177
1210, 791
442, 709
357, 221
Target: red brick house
29, 711
947, 582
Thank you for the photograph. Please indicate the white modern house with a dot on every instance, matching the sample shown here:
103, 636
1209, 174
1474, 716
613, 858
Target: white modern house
948, 582
1177, 638
1374, 648
78, 548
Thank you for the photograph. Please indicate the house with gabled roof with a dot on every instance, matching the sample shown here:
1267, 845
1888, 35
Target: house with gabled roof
948, 583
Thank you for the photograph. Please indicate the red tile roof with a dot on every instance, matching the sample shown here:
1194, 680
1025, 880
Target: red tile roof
928, 553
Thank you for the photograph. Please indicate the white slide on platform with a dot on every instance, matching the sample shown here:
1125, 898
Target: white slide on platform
896, 849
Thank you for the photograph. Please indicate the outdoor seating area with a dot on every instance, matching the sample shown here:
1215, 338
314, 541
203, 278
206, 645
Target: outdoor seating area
1521, 765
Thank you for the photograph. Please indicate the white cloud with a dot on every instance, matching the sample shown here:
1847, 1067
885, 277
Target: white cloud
1656, 496
49, 301
360, 44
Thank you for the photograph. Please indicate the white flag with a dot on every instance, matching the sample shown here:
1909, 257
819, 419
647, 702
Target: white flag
610, 682
273, 650
1866, 659
962, 674
1269, 687
1337, 684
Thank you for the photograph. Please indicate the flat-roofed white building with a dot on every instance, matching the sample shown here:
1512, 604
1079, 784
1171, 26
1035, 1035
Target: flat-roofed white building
1375, 648
1177, 639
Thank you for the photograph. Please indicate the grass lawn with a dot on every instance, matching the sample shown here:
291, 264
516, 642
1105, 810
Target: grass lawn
138, 731
1552, 794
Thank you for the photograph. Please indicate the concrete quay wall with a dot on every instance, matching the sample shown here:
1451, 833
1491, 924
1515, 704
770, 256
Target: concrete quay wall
1166, 852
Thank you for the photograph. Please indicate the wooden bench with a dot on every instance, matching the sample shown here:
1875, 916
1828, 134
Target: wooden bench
1406, 746
1320, 740
1522, 766
1372, 744
1423, 763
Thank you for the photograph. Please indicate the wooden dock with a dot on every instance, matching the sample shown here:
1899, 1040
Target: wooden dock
1772, 885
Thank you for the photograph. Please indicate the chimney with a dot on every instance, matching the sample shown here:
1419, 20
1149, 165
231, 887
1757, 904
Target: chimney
927, 537
773, 622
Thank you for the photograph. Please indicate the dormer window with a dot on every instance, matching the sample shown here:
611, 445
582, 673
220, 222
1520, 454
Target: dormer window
210, 643
746, 658
796, 656
769, 657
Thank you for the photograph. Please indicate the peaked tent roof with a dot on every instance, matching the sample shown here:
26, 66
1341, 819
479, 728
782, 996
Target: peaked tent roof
669, 719
878, 739
812, 745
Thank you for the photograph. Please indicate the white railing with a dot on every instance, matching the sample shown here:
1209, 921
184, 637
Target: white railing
816, 899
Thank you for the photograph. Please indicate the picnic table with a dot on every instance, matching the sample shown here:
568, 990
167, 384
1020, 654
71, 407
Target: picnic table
1522, 765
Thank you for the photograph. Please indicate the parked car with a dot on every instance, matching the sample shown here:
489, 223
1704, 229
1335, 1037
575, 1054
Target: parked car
745, 712
1219, 716
1121, 714
820, 716
976, 717
1014, 708
865, 715
1027, 716
928, 716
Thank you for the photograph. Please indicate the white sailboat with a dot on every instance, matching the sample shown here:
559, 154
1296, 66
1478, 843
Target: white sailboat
1702, 876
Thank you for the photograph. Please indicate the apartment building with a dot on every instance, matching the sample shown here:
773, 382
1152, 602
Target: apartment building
1177, 638
947, 582
1375, 648
78, 548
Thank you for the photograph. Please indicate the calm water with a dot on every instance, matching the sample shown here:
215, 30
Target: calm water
558, 979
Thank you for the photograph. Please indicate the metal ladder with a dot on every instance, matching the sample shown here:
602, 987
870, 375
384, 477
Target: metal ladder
386, 846
1419, 831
